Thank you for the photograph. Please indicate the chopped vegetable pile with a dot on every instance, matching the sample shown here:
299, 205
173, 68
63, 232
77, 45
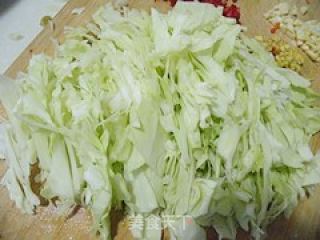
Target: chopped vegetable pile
165, 114
286, 56
303, 34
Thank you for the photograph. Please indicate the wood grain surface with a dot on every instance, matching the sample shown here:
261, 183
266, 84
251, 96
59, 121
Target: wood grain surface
49, 224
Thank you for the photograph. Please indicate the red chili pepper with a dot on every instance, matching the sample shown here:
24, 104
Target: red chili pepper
173, 2
233, 12
275, 51
275, 28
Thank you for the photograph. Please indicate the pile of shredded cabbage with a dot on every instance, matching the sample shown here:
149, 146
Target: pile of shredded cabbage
175, 114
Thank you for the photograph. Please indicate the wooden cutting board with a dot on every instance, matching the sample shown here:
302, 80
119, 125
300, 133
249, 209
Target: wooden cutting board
48, 224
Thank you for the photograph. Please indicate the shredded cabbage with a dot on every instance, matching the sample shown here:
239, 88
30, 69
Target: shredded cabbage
171, 114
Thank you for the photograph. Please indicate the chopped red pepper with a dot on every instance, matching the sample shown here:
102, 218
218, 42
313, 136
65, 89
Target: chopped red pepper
173, 2
275, 51
275, 28
233, 12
